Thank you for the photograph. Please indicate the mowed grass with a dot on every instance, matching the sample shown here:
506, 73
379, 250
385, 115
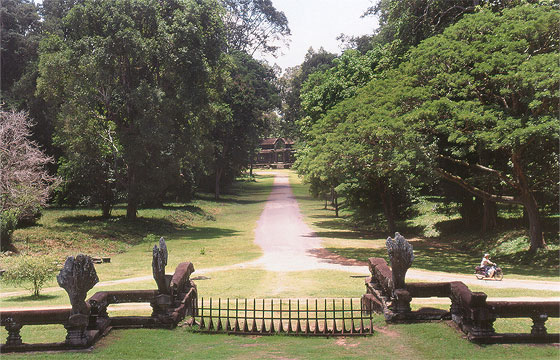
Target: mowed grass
206, 232
415, 341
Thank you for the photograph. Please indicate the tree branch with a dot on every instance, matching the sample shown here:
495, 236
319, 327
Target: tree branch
476, 191
499, 174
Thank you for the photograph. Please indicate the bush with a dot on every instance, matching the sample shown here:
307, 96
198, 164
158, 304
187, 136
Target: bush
8, 223
31, 271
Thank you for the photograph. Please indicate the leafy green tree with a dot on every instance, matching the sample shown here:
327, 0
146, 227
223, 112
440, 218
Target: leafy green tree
403, 24
254, 26
20, 27
139, 70
291, 84
361, 146
494, 81
30, 271
250, 93
324, 89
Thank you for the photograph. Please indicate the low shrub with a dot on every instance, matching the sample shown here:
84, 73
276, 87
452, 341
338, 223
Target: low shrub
8, 223
30, 271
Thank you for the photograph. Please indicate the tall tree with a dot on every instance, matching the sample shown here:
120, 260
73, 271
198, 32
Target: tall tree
140, 68
249, 95
254, 26
494, 80
20, 27
291, 85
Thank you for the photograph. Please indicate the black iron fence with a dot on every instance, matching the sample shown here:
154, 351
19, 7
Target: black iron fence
308, 317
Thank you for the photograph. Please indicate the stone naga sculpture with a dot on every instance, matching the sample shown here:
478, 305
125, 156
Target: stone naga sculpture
401, 257
159, 261
77, 277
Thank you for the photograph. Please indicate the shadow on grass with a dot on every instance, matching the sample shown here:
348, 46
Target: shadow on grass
426, 256
134, 231
30, 298
434, 257
348, 235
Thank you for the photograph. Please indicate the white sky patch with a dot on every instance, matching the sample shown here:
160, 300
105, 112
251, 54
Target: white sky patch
317, 23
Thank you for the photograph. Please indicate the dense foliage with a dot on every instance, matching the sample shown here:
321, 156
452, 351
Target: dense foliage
474, 106
142, 101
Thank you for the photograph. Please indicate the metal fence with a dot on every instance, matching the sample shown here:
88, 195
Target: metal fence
308, 317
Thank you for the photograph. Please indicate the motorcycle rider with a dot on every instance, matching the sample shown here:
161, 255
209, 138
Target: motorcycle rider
488, 265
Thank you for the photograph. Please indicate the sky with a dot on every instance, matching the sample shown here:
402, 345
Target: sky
317, 23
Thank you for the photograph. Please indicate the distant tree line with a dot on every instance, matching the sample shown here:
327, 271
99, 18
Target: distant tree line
141, 101
454, 98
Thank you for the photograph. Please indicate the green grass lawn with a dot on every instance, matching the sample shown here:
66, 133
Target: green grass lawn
221, 233
205, 232
416, 341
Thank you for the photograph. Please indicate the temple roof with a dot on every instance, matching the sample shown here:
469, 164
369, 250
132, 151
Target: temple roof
272, 141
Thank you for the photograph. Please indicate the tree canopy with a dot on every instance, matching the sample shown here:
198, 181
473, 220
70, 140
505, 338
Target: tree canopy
474, 105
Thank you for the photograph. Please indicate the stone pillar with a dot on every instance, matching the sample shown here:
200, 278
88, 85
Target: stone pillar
538, 327
401, 301
76, 329
480, 317
13, 328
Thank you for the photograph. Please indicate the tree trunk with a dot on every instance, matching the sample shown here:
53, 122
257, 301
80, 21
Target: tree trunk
132, 200
335, 203
535, 226
388, 208
490, 216
217, 183
530, 204
471, 210
106, 208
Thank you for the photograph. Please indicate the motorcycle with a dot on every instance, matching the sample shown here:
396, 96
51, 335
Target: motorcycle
480, 273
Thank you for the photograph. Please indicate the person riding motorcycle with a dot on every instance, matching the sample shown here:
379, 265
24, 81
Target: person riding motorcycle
489, 266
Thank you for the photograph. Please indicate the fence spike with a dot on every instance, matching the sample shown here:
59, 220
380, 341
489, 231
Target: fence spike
298, 326
290, 316
202, 325
219, 328
361, 318
254, 329
352, 328
325, 327
343, 319
245, 321
228, 324
334, 330
271, 329
236, 327
263, 324
316, 324
281, 326
307, 316
211, 321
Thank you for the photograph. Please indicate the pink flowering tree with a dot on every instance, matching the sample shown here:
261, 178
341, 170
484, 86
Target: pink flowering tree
25, 183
